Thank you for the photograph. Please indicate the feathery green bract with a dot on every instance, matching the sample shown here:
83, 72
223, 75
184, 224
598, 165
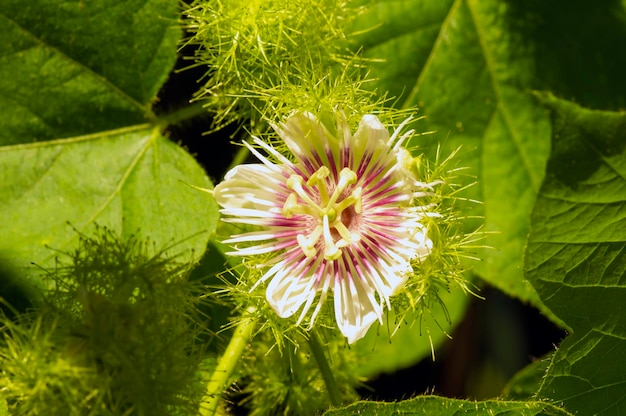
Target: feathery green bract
267, 59
118, 335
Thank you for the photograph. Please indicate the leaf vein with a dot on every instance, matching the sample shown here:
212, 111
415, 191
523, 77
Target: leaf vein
72, 140
127, 173
438, 40
489, 61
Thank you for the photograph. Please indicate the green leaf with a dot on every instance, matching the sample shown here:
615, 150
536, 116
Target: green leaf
440, 406
74, 67
575, 49
77, 79
468, 65
524, 384
576, 256
131, 180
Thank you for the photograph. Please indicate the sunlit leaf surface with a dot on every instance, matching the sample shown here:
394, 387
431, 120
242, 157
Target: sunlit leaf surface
77, 81
131, 181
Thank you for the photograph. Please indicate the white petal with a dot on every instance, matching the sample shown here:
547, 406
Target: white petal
269, 247
371, 126
270, 150
395, 276
270, 234
383, 278
370, 136
317, 270
245, 212
308, 138
324, 292
251, 186
396, 142
289, 289
354, 313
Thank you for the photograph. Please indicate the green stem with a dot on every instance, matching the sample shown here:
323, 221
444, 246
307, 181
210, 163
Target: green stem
185, 113
240, 157
225, 367
327, 374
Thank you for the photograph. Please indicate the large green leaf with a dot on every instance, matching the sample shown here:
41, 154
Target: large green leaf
468, 65
451, 59
440, 406
73, 67
130, 180
77, 80
576, 256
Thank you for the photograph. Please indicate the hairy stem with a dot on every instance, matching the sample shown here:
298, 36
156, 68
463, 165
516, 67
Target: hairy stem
225, 367
327, 374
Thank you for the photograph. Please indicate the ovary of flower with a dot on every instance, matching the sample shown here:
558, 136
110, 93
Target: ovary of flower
339, 217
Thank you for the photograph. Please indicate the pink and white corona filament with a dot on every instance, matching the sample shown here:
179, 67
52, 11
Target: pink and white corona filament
339, 217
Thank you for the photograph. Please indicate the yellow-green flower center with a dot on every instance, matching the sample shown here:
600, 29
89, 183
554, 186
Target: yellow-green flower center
334, 210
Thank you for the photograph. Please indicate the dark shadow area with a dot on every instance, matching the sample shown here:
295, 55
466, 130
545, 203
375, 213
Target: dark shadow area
213, 151
578, 48
15, 295
498, 337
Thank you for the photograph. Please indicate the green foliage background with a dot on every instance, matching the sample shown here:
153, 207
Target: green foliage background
82, 144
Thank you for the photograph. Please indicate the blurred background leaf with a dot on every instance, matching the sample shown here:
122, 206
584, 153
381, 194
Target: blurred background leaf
524, 385
576, 259
379, 352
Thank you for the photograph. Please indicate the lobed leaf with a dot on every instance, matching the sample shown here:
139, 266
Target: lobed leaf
77, 80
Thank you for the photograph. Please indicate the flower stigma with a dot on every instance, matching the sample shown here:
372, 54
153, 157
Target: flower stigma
334, 215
